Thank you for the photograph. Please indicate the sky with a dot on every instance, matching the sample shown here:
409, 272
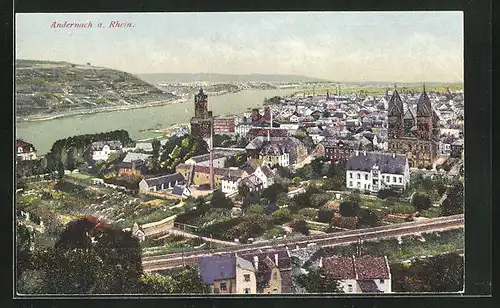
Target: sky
338, 46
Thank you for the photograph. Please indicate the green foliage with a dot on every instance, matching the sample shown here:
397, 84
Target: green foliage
454, 202
367, 218
421, 202
300, 226
442, 273
179, 149
308, 213
317, 282
297, 180
187, 281
282, 215
325, 216
272, 192
255, 209
348, 208
219, 200
386, 193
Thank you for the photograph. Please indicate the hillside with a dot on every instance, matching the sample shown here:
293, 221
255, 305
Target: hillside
225, 78
46, 89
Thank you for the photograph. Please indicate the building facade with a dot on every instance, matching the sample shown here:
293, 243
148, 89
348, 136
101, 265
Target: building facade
224, 125
373, 171
25, 150
414, 134
202, 122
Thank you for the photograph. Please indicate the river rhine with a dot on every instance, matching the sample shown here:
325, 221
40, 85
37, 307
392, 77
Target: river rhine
42, 134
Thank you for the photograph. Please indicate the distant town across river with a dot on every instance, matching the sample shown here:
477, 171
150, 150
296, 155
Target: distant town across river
138, 122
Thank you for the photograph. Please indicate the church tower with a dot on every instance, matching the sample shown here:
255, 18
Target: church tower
425, 117
201, 123
395, 116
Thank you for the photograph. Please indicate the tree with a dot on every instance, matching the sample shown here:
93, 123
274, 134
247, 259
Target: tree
385, 193
296, 180
282, 215
243, 191
308, 213
354, 197
91, 258
421, 201
219, 200
317, 282
325, 216
348, 208
367, 218
454, 202
300, 226
271, 193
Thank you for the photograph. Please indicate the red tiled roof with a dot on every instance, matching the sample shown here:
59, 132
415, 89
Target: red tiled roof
371, 268
340, 267
25, 145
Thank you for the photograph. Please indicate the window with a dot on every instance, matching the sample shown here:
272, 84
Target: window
275, 276
400, 179
223, 286
381, 280
349, 288
247, 290
350, 183
368, 186
358, 185
365, 186
394, 179
350, 175
275, 290
247, 277
359, 176
366, 177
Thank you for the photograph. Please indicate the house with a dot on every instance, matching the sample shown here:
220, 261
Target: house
265, 174
199, 175
25, 150
144, 147
273, 271
457, 148
228, 274
274, 154
159, 183
359, 274
253, 183
133, 164
372, 171
204, 160
100, 150
229, 184
181, 191
338, 149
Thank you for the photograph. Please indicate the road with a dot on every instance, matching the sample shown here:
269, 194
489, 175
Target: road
157, 263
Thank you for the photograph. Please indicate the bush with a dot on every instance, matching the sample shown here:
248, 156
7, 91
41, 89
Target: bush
402, 209
309, 213
255, 209
325, 216
301, 227
367, 218
282, 215
296, 180
428, 167
348, 208
386, 193
421, 202
344, 222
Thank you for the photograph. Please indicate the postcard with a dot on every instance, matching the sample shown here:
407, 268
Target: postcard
238, 153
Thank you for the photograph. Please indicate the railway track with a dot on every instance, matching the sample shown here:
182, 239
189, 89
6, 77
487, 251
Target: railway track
167, 261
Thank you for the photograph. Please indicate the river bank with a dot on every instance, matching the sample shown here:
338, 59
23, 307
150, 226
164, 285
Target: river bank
97, 111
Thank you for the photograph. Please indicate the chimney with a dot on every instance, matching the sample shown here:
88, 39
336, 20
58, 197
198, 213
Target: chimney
276, 259
256, 262
321, 262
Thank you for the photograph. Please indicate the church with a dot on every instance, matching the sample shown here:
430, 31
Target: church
412, 131
201, 123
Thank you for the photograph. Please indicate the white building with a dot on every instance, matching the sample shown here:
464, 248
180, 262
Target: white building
25, 150
359, 274
229, 184
265, 174
204, 160
101, 149
243, 129
372, 171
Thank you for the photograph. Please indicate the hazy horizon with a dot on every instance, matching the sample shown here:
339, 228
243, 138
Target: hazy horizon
338, 46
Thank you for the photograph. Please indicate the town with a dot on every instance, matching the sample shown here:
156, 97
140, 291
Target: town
321, 191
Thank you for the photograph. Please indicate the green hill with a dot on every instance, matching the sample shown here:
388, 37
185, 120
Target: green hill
45, 88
